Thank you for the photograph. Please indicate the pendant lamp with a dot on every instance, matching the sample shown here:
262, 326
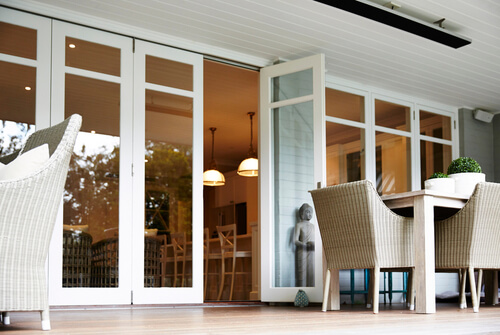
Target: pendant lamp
250, 166
213, 177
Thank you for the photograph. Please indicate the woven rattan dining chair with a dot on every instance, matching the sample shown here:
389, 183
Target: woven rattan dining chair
360, 232
28, 209
470, 239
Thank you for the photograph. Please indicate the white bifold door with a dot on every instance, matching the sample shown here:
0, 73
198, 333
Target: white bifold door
291, 157
135, 176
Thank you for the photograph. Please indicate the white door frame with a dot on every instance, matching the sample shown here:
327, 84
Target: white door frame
266, 198
153, 295
95, 296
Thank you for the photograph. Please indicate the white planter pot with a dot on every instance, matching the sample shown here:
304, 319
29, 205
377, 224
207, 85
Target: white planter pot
440, 184
466, 182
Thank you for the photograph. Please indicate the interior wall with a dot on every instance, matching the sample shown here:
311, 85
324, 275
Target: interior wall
477, 141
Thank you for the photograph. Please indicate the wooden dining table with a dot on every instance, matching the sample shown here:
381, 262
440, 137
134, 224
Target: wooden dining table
425, 206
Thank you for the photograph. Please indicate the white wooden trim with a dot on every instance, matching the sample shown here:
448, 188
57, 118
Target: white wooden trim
170, 295
95, 296
266, 176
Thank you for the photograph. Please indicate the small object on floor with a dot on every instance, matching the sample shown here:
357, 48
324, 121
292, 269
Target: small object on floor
301, 299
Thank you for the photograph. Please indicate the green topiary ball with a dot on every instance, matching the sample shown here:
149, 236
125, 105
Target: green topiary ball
464, 164
438, 175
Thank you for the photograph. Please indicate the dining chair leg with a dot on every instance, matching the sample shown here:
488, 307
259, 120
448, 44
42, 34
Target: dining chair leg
473, 293
479, 284
175, 273
369, 298
45, 316
223, 275
463, 278
410, 290
6, 318
232, 277
376, 283
326, 290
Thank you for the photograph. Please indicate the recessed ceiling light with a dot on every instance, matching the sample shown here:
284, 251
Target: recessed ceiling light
27, 88
92, 131
72, 46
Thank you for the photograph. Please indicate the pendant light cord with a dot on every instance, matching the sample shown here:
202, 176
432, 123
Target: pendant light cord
251, 151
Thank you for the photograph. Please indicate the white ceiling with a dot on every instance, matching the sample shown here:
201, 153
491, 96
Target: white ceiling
356, 48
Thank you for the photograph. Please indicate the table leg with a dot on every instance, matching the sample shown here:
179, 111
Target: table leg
423, 231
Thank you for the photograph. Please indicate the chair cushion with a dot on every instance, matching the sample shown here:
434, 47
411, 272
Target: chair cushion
25, 164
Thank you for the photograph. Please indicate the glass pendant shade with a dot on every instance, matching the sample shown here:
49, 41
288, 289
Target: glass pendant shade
249, 167
212, 176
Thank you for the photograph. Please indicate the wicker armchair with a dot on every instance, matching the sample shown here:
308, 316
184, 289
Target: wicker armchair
28, 209
470, 239
359, 232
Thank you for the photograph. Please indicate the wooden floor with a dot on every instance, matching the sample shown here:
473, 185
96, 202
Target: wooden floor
259, 319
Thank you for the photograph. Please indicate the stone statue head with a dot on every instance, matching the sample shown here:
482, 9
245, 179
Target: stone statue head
305, 212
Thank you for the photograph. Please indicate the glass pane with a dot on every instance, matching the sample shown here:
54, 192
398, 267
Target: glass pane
293, 85
168, 197
345, 105
435, 125
17, 41
169, 73
345, 154
17, 93
92, 56
90, 249
293, 177
393, 163
390, 115
434, 157
17, 105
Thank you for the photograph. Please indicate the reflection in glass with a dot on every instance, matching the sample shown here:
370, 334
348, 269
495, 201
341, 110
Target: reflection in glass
393, 163
434, 157
292, 144
17, 103
92, 56
293, 85
17, 41
91, 197
435, 125
345, 153
391, 115
169, 73
168, 192
345, 105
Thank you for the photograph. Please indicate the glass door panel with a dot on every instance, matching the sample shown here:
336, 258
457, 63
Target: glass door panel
92, 76
24, 74
168, 204
291, 160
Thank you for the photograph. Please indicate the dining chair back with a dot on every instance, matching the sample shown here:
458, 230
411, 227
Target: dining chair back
359, 231
229, 251
470, 239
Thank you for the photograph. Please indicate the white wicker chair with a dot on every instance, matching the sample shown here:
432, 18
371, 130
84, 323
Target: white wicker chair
360, 232
28, 209
470, 239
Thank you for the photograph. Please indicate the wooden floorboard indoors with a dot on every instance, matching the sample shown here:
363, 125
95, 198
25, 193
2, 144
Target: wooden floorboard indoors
258, 319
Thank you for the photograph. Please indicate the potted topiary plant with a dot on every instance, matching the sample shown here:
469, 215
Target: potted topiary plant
439, 181
467, 173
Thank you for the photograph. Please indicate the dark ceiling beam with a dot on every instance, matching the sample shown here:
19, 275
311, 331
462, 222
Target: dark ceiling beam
401, 21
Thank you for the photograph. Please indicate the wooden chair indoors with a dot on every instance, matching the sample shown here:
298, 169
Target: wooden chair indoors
209, 255
360, 232
470, 240
229, 251
29, 202
167, 261
180, 256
